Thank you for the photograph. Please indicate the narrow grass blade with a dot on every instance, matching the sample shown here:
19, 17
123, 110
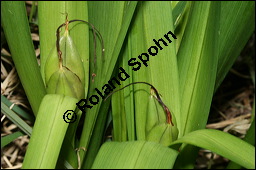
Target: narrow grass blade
178, 10
16, 29
119, 117
223, 144
9, 138
33, 11
123, 112
136, 94
18, 110
250, 134
129, 97
134, 155
180, 23
16, 119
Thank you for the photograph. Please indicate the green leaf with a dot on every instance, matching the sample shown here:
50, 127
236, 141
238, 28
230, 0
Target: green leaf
180, 23
113, 32
223, 144
164, 77
98, 136
178, 10
123, 112
16, 119
147, 35
18, 110
33, 11
68, 155
17, 32
49, 131
197, 60
237, 23
9, 138
119, 117
134, 155
197, 63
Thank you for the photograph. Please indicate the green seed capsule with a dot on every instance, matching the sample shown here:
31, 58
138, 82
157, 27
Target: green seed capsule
71, 57
161, 126
65, 82
64, 74
157, 127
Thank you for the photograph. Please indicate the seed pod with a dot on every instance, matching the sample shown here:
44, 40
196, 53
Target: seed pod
160, 127
65, 82
64, 73
52, 64
157, 128
163, 133
70, 57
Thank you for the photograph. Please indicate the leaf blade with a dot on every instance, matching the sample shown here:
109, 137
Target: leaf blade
223, 144
134, 155
9, 138
22, 50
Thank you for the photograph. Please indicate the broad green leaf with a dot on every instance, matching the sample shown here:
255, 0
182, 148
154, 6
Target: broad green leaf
163, 76
237, 23
197, 63
49, 131
17, 33
223, 144
134, 155
197, 60
9, 138
67, 156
